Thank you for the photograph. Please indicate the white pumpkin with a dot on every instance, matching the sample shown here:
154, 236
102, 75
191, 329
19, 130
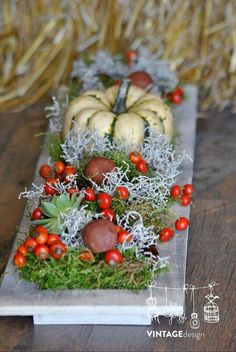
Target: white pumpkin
121, 112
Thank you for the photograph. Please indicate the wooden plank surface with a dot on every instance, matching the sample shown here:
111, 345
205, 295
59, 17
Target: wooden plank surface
211, 252
124, 307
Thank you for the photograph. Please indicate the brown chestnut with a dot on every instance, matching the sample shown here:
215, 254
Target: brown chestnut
141, 79
99, 235
97, 167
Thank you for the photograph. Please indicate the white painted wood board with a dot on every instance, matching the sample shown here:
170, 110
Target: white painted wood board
118, 307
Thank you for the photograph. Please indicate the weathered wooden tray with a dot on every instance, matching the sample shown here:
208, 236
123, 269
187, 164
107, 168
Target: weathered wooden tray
122, 307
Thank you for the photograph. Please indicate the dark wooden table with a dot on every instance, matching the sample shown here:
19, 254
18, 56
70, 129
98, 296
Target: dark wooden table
211, 250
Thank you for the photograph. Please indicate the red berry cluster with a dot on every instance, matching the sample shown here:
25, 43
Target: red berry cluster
104, 200
59, 171
183, 195
176, 96
136, 158
42, 244
131, 57
168, 233
114, 256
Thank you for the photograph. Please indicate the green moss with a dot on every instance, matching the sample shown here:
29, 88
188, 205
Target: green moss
74, 88
54, 147
71, 273
93, 206
106, 80
121, 160
118, 206
158, 218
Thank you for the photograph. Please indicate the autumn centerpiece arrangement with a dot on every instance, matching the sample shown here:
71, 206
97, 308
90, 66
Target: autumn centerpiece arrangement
104, 206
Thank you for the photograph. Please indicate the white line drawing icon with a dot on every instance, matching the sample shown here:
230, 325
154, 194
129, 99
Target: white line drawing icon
194, 320
211, 309
152, 306
182, 319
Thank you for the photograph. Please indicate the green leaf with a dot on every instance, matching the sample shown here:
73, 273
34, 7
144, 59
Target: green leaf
50, 224
41, 222
73, 199
78, 201
54, 200
49, 209
54, 228
63, 202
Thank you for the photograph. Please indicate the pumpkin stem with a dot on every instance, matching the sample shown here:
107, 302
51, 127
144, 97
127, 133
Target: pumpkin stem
120, 104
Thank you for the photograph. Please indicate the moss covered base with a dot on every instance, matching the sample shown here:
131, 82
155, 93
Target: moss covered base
71, 273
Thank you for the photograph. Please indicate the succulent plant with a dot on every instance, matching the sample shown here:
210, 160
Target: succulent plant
56, 209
